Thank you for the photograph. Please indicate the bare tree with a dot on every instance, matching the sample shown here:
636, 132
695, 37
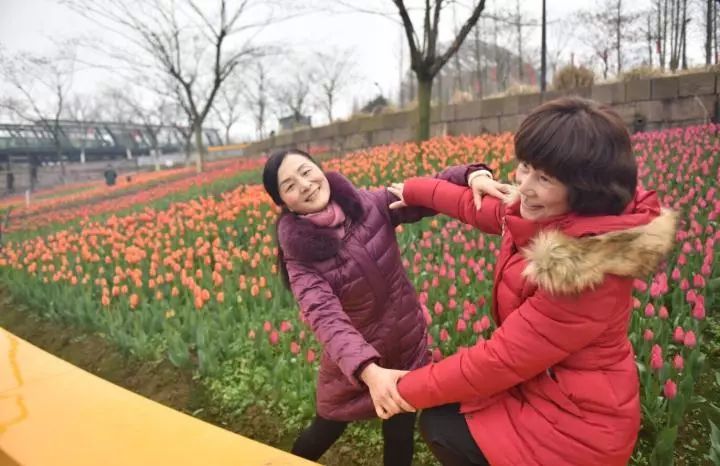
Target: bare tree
257, 97
227, 108
42, 85
114, 105
709, 16
425, 61
609, 19
188, 42
294, 96
155, 109
83, 110
335, 72
678, 34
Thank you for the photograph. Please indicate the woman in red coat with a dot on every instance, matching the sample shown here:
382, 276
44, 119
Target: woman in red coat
556, 384
339, 255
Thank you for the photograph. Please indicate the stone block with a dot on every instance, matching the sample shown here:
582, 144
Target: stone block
697, 84
664, 88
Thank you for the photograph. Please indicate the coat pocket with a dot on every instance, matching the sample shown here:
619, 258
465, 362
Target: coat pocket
546, 393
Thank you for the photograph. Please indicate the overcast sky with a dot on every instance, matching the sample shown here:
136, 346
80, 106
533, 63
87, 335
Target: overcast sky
32, 24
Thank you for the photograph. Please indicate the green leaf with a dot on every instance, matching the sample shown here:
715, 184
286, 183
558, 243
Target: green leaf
662, 453
714, 454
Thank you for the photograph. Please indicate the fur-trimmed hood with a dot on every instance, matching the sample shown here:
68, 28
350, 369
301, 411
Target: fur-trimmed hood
303, 240
565, 264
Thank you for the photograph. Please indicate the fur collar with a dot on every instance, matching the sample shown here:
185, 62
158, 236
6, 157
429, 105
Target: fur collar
303, 240
563, 264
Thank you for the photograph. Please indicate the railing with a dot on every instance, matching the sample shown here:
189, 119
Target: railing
53, 413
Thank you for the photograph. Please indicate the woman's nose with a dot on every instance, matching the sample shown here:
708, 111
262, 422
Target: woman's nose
304, 184
526, 186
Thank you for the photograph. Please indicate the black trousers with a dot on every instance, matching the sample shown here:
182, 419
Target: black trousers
322, 434
446, 432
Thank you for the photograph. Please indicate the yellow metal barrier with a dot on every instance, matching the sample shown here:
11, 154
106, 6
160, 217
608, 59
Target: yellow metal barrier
231, 147
54, 414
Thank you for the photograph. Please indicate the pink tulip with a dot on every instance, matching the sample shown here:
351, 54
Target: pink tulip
699, 308
640, 285
679, 335
444, 336
437, 355
294, 348
690, 341
676, 274
461, 325
706, 269
678, 362
649, 310
310, 356
285, 326
274, 337
485, 322
648, 335
670, 389
698, 281
663, 313
656, 359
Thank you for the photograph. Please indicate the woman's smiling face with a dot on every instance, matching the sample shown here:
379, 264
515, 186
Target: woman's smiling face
303, 186
541, 195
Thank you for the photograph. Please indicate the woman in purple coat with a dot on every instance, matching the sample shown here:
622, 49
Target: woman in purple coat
338, 252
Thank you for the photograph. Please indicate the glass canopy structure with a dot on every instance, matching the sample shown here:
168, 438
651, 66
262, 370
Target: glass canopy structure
43, 141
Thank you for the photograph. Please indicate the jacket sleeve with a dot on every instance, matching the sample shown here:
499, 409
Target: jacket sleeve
455, 201
543, 331
331, 325
456, 175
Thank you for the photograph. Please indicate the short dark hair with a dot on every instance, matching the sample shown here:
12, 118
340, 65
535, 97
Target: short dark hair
270, 172
586, 146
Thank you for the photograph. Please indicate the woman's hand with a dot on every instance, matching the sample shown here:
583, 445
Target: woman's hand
397, 190
482, 185
383, 390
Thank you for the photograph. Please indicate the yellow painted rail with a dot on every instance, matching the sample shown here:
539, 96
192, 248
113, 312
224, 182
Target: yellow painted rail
54, 414
231, 147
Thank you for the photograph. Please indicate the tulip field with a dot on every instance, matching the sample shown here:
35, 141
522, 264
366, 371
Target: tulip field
184, 269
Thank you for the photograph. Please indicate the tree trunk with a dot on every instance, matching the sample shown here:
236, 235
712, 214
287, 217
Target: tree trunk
424, 98
715, 28
684, 36
58, 149
708, 32
649, 39
199, 147
662, 26
477, 91
618, 37
543, 50
519, 33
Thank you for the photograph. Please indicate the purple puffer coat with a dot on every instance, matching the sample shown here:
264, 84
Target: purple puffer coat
355, 294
